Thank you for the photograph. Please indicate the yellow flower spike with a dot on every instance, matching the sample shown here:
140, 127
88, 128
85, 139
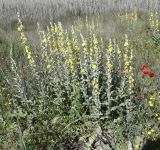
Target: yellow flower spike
110, 47
23, 40
27, 49
126, 43
152, 130
109, 65
158, 118
95, 85
20, 28
70, 63
55, 28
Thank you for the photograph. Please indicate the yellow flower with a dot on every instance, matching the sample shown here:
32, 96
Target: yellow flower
94, 67
156, 115
150, 104
109, 65
48, 66
29, 56
83, 71
70, 61
83, 44
44, 41
119, 51
95, 42
131, 81
125, 56
131, 68
151, 14
150, 131
152, 98
127, 63
154, 139
27, 49
137, 146
110, 48
96, 86
126, 44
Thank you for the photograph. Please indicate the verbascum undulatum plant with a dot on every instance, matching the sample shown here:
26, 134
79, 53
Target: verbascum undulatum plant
94, 53
128, 88
60, 38
84, 71
84, 75
70, 55
75, 48
131, 73
109, 67
17, 89
16, 83
54, 34
119, 54
24, 43
84, 59
126, 56
45, 43
95, 104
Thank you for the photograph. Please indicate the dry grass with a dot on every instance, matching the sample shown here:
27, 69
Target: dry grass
51, 9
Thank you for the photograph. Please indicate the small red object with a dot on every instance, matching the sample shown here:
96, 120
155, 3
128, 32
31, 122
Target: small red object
144, 66
146, 72
151, 74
